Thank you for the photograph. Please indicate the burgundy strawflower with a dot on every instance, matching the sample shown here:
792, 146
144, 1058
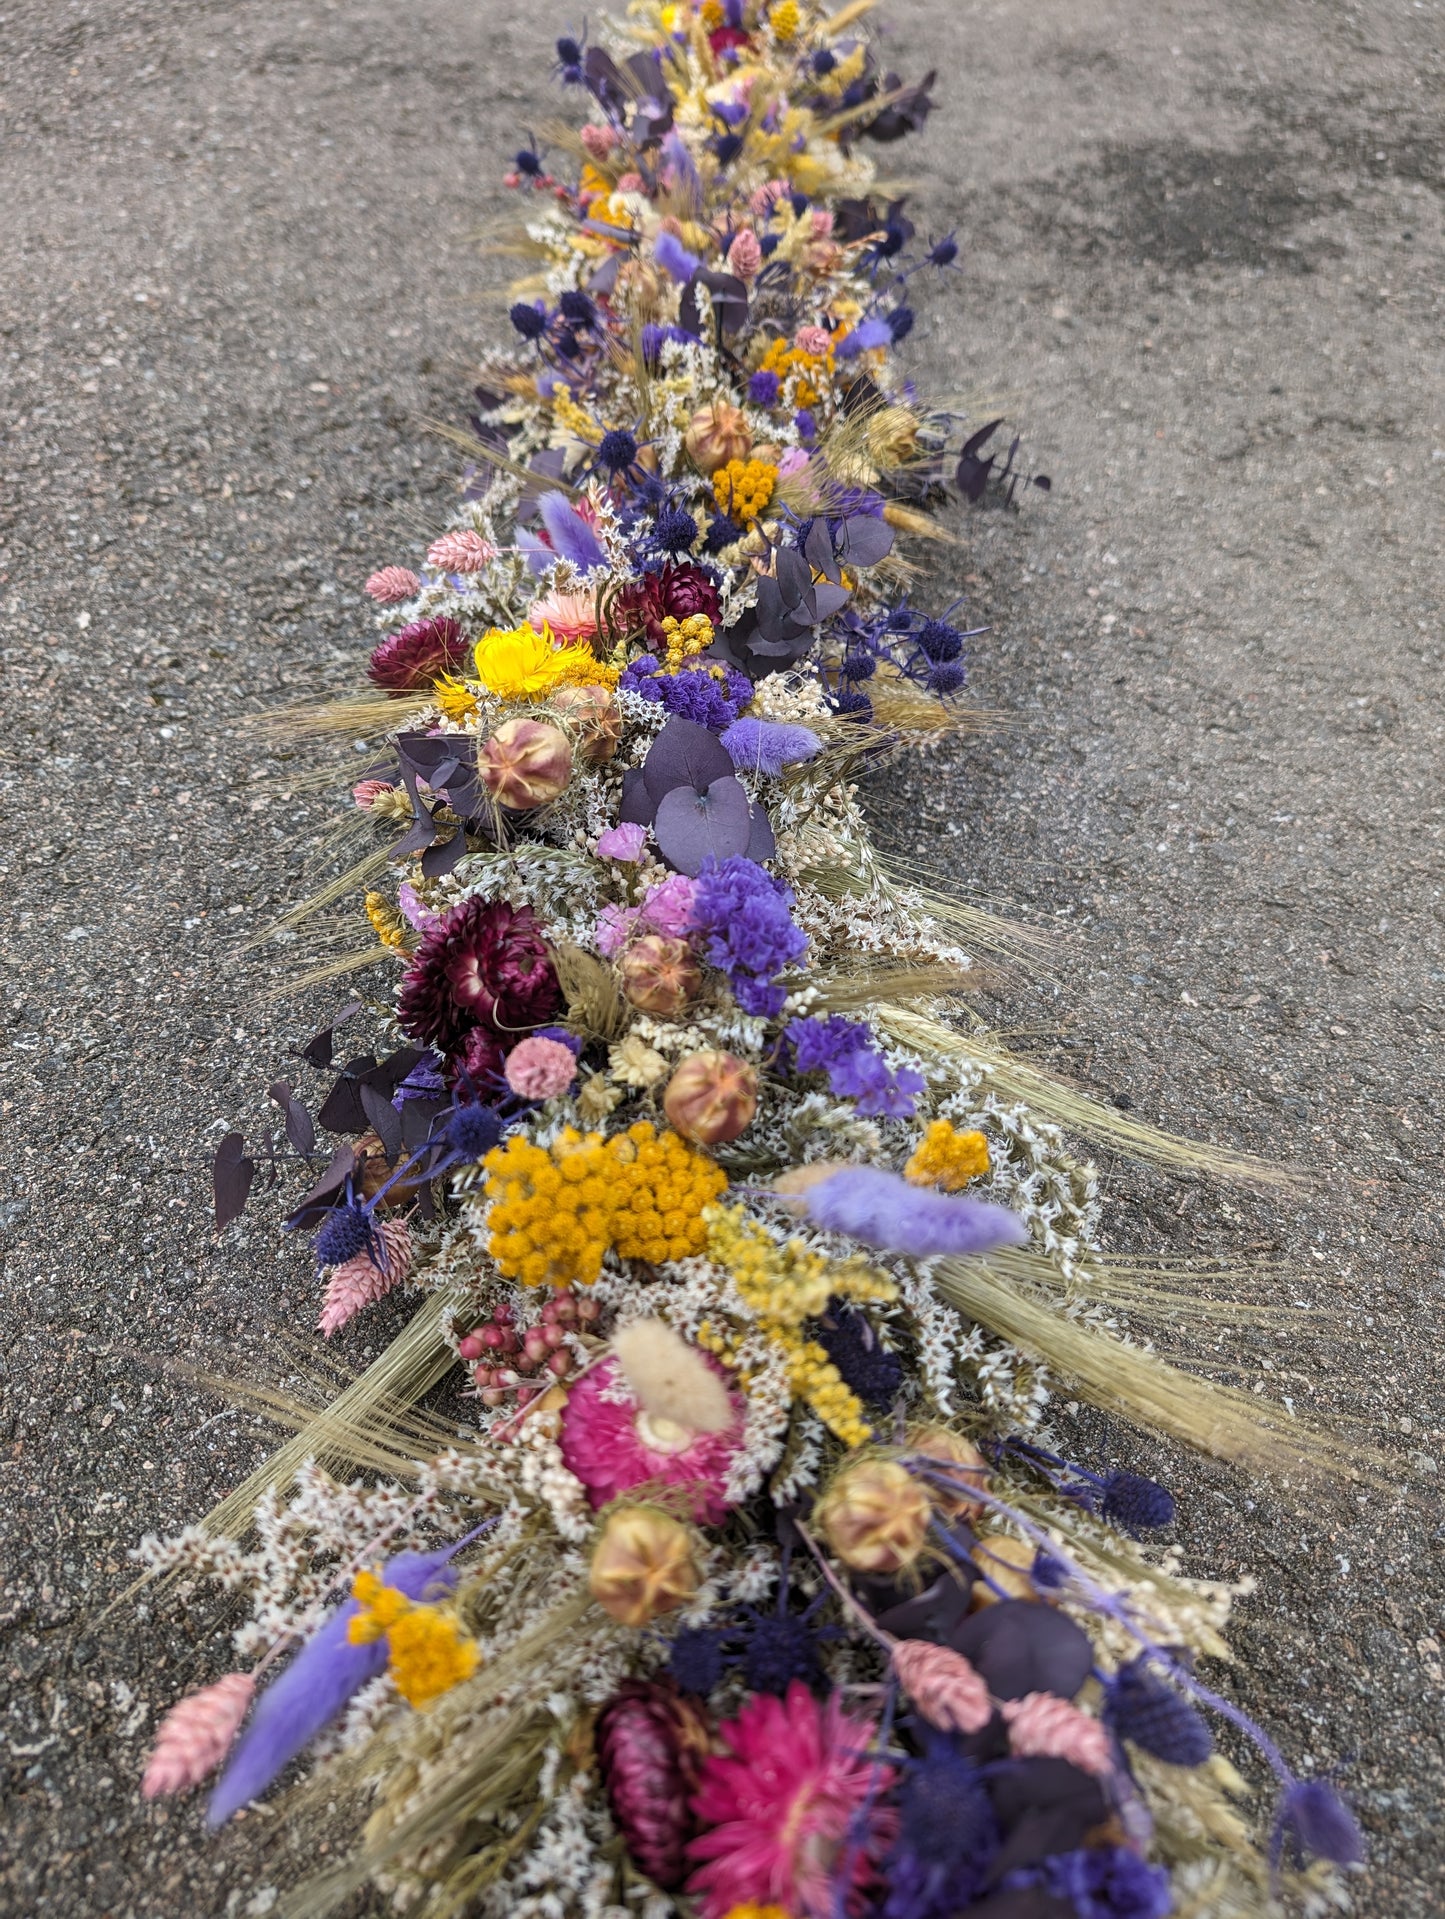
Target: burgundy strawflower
417, 655
651, 1740
676, 592
484, 964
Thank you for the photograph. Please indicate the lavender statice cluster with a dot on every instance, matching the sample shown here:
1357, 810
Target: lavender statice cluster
707, 692
846, 1052
745, 917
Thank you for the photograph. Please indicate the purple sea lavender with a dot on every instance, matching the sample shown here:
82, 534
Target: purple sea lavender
743, 915
317, 1684
882, 1209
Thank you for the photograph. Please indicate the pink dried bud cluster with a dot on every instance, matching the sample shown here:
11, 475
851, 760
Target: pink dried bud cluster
392, 585
195, 1736
365, 791
1043, 1726
540, 1068
945, 1688
461, 552
745, 255
361, 1282
813, 339
598, 142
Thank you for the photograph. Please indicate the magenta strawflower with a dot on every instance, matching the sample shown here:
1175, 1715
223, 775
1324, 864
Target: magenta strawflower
794, 1797
418, 655
614, 1447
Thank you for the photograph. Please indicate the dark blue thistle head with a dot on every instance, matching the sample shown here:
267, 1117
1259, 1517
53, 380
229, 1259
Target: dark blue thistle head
722, 532
1111, 1882
948, 678
345, 1232
675, 530
781, 1647
577, 308
852, 706
1048, 1573
565, 341
864, 1363
568, 64
528, 163
1143, 1708
900, 323
1135, 1504
824, 61
529, 321
1313, 1822
616, 450
473, 1130
938, 642
697, 1659
856, 667
944, 1814
943, 252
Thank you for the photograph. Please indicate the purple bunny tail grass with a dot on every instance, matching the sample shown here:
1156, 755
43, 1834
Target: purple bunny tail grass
1313, 1821
769, 746
318, 1683
883, 1210
572, 538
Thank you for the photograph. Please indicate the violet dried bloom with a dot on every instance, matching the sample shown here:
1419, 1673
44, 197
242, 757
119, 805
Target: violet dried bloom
768, 746
673, 257
1102, 1882
856, 1070
743, 915
1314, 1822
882, 1209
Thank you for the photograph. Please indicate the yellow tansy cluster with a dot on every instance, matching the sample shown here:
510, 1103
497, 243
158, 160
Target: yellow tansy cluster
785, 1285
685, 638
946, 1158
785, 19
743, 488
556, 1211
518, 663
387, 924
752, 1910
427, 1651
783, 359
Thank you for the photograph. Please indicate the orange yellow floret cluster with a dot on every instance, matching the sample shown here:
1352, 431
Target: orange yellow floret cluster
946, 1158
743, 488
783, 359
427, 1651
556, 1211
685, 638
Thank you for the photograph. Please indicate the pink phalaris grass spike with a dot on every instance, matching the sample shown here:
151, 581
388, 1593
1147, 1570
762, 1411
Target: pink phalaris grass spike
361, 1282
1041, 1726
945, 1688
464, 552
392, 585
195, 1736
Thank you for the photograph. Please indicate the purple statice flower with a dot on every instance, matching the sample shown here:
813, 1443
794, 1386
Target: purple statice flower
882, 1209
856, 1070
316, 1685
1101, 1882
868, 334
668, 907
572, 538
807, 425
640, 676
673, 257
768, 746
655, 337
764, 388
712, 697
743, 916
624, 842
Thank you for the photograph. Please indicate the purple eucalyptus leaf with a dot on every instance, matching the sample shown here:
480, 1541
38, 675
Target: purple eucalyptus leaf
231, 1175
793, 574
318, 1050
762, 842
299, 1130
1045, 1806
819, 550
315, 1686
694, 827
341, 1110
440, 859
638, 807
828, 600
865, 540
328, 1189
385, 1120
684, 754
1021, 1646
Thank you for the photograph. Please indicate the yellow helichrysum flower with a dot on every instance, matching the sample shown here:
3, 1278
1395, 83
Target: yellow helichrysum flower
519, 663
946, 1158
381, 1607
429, 1654
387, 924
456, 700
785, 21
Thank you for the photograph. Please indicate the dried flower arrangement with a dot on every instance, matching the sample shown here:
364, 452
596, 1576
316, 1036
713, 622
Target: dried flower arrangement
753, 1586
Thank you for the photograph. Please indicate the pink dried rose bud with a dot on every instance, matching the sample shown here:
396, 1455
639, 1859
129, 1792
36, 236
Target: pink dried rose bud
592, 711
392, 585
525, 763
716, 434
745, 255
945, 1688
597, 142
660, 975
711, 1098
540, 1068
365, 791
1043, 1726
195, 1736
461, 552
813, 339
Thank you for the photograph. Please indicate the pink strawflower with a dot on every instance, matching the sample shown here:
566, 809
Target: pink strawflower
613, 1446
793, 461
392, 585
813, 339
624, 842
540, 1068
781, 1806
417, 916
361, 1282
822, 222
365, 791
1043, 1726
615, 927
572, 617
461, 552
597, 142
195, 1736
630, 183
668, 907
943, 1686
745, 255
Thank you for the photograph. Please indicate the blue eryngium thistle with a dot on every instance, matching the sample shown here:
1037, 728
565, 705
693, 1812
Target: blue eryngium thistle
346, 1231
530, 321
616, 450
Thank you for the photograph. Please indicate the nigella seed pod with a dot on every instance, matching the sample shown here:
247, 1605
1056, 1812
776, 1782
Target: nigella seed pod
642, 1566
592, 713
1005, 1567
660, 975
525, 763
716, 434
711, 1098
961, 1460
875, 1516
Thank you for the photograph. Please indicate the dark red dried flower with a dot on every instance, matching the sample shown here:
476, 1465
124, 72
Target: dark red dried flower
417, 655
484, 963
677, 592
651, 1741
475, 1065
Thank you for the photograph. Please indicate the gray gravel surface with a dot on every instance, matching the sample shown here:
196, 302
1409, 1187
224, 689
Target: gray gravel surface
1203, 261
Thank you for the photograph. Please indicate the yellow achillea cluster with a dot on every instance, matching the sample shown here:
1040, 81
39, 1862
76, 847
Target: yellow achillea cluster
685, 638
427, 1651
556, 1211
785, 19
387, 924
743, 488
946, 1158
752, 1910
518, 663
783, 359
785, 1285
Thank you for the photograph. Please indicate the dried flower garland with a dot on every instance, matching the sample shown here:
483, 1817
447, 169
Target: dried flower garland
760, 1586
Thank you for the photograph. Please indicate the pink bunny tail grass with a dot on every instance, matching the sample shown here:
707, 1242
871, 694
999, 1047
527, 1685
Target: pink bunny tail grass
464, 552
361, 1282
392, 585
943, 1686
1042, 1726
195, 1736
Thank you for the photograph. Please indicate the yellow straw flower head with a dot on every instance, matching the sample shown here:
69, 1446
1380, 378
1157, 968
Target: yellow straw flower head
743, 488
456, 700
429, 1654
947, 1158
785, 19
518, 663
